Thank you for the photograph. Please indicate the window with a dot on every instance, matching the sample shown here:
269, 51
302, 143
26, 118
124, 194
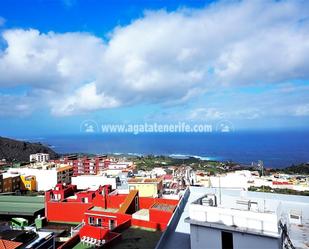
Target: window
91, 220
227, 240
111, 224
85, 200
136, 203
99, 222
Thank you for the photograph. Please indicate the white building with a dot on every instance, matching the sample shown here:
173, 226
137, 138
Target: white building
236, 225
47, 175
120, 165
290, 209
158, 171
39, 157
94, 181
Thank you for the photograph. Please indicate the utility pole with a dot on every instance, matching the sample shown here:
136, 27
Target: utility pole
261, 166
220, 189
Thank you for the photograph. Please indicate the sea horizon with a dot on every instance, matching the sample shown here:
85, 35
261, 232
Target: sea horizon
277, 149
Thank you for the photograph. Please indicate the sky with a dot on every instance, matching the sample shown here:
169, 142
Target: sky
120, 61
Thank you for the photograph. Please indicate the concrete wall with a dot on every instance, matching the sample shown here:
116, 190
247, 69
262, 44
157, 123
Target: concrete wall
145, 189
209, 238
171, 227
93, 182
45, 179
266, 222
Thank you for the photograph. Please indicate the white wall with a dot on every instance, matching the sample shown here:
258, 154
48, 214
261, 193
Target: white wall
85, 181
209, 238
266, 222
45, 179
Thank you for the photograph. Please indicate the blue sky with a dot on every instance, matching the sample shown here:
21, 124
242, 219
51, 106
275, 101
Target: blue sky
64, 61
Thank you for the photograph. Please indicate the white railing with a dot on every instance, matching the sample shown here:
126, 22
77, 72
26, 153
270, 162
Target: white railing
242, 219
75, 230
174, 219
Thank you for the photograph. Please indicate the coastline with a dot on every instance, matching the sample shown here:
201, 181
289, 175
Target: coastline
275, 149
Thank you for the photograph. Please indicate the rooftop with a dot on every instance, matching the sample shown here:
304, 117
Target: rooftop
138, 238
7, 244
163, 207
42, 166
21, 205
179, 234
237, 214
144, 180
101, 209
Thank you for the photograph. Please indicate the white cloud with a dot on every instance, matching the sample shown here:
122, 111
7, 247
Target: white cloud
15, 106
223, 112
205, 114
302, 110
163, 57
82, 100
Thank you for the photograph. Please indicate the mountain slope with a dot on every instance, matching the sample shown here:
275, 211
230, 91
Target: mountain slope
20, 151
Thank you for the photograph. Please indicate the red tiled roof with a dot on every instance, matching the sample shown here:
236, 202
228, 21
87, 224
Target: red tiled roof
7, 244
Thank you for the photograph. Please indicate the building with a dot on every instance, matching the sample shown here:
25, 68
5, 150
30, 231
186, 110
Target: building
28, 183
11, 182
24, 206
86, 165
94, 181
39, 157
27, 237
103, 214
158, 171
233, 225
47, 175
95, 165
147, 187
290, 209
120, 165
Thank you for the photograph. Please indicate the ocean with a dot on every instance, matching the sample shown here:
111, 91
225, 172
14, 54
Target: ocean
275, 149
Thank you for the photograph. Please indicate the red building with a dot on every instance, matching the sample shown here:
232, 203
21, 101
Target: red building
85, 165
103, 213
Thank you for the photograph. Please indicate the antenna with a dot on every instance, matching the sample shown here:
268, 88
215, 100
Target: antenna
220, 189
261, 167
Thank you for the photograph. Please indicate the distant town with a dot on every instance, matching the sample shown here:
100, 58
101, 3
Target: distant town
126, 201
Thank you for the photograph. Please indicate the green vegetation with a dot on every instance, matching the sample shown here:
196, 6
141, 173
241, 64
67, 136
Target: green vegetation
286, 191
150, 161
302, 169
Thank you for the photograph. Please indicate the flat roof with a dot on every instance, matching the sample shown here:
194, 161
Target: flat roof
41, 235
21, 205
222, 226
144, 180
64, 168
179, 237
100, 209
163, 207
137, 238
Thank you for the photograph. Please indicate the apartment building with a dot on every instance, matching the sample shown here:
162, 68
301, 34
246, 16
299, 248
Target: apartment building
39, 157
11, 182
104, 214
28, 183
47, 175
147, 187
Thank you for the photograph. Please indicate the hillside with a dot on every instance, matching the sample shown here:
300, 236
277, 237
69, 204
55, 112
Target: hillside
20, 151
298, 169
